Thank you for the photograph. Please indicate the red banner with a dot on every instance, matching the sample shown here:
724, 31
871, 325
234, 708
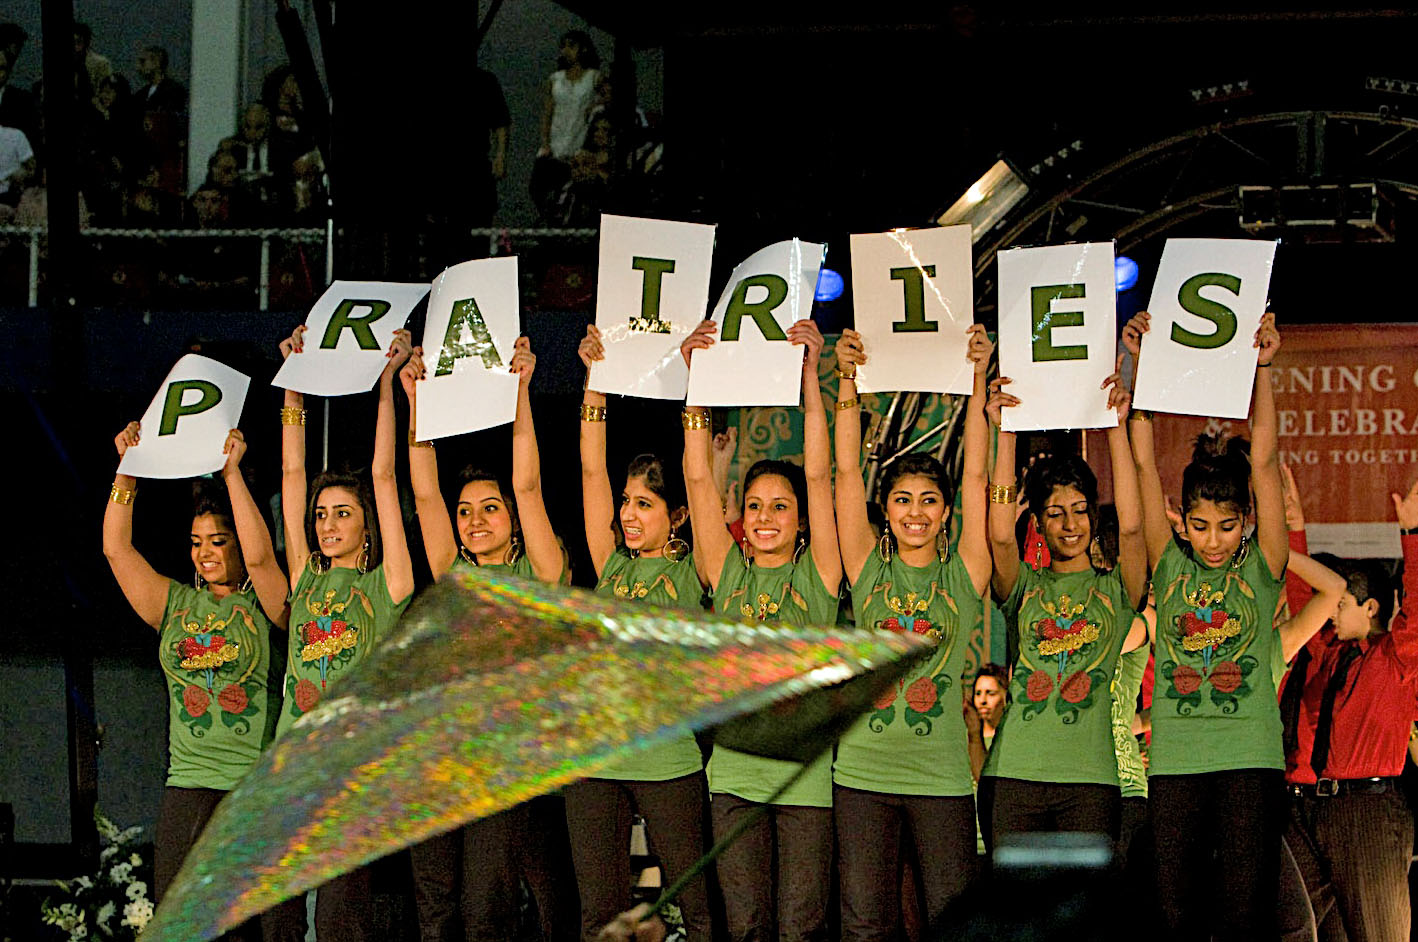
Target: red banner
1347, 403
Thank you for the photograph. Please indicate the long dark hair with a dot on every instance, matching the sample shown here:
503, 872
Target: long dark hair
1055, 471
665, 481
356, 485
795, 478
1220, 471
473, 474
589, 58
925, 466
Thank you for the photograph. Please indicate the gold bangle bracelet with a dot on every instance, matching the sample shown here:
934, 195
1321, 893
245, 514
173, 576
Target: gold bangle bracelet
694, 421
415, 443
843, 374
1003, 493
292, 416
122, 495
1141, 415
590, 413
846, 404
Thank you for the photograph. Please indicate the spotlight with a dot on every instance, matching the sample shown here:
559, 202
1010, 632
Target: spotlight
1124, 272
988, 200
829, 286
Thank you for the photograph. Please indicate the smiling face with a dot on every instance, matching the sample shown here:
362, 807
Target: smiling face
339, 526
989, 699
915, 509
644, 517
484, 521
1214, 531
1066, 527
216, 555
771, 519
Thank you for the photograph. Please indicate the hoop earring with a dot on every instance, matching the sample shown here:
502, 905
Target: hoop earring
798, 550
744, 547
198, 582
1241, 553
362, 566
514, 550
467, 554
942, 547
318, 563
675, 548
885, 546
246, 585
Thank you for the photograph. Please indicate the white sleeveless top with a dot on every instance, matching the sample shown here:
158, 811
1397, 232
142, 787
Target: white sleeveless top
571, 111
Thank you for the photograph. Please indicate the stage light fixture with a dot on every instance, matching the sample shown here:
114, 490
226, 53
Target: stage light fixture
1124, 272
1320, 212
829, 286
987, 201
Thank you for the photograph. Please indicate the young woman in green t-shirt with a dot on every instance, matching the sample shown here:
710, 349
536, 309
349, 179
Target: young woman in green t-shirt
214, 645
664, 783
905, 770
474, 871
787, 570
1052, 765
350, 579
1216, 786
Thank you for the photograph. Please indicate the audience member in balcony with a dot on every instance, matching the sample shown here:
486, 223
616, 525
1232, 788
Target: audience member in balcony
569, 97
106, 147
17, 106
92, 68
244, 204
211, 272
17, 165
289, 133
161, 109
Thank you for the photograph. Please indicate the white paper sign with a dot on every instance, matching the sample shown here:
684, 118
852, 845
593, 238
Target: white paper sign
751, 362
183, 431
347, 334
468, 338
652, 289
1206, 305
1057, 335
914, 301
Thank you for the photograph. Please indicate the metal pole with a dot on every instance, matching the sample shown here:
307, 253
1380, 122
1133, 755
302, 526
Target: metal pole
34, 268
265, 302
325, 440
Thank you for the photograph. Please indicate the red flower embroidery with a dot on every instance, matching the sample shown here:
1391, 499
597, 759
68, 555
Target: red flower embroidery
191, 647
1218, 618
893, 624
921, 695
886, 698
306, 696
1226, 676
314, 634
1040, 686
1186, 680
1075, 687
1049, 629
233, 698
1192, 625
195, 700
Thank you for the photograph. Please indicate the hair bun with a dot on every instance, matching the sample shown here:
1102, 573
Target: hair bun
1215, 449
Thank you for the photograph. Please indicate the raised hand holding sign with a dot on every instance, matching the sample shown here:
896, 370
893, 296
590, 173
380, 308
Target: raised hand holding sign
354, 322
187, 423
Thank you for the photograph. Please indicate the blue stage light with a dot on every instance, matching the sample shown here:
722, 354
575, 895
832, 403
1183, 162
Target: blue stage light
1124, 272
829, 285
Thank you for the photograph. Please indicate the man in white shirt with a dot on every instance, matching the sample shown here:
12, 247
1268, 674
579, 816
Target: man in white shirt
17, 164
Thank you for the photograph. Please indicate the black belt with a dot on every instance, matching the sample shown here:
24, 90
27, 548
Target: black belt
1332, 787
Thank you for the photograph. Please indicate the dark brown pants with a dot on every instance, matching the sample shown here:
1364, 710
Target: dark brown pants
788, 849
182, 814
598, 813
1218, 852
1353, 851
1016, 806
467, 882
343, 913
870, 830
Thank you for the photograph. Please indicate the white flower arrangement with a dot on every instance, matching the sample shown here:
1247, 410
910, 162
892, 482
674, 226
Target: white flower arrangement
93, 901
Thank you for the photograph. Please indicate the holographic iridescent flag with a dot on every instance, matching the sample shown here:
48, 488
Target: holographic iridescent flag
493, 690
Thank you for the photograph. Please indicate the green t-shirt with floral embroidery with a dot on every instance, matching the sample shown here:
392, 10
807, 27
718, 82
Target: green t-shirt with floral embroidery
1127, 682
1214, 707
216, 661
793, 594
1070, 628
913, 741
521, 566
668, 584
335, 618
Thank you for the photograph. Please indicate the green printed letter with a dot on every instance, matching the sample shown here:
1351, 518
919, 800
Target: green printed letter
655, 269
914, 285
760, 311
173, 408
343, 317
1045, 319
467, 336
1189, 297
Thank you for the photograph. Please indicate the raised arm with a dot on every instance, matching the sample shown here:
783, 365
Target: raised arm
854, 533
1003, 496
257, 551
543, 548
1265, 455
293, 482
974, 502
1297, 590
1156, 529
398, 567
142, 586
1127, 497
440, 543
597, 502
1329, 588
1405, 626
817, 459
706, 515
